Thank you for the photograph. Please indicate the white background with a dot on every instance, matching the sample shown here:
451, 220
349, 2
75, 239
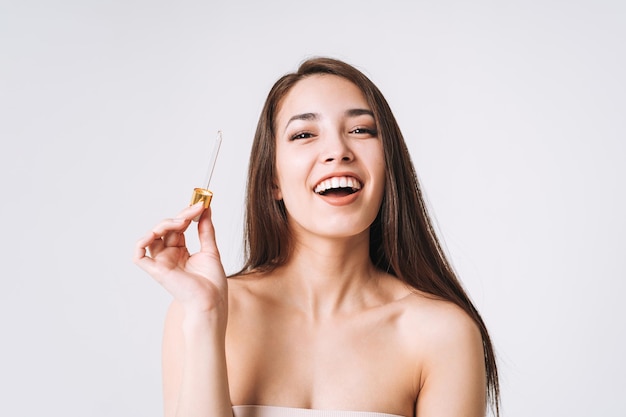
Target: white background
514, 114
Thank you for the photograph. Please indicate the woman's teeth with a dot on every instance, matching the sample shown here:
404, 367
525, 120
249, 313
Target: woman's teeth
338, 183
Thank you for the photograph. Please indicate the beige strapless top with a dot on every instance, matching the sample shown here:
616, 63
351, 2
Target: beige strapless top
271, 411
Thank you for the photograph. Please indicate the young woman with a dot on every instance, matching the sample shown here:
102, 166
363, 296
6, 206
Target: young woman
346, 305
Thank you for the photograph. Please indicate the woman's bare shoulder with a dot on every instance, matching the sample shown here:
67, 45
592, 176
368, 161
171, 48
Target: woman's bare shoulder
445, 343
433, 323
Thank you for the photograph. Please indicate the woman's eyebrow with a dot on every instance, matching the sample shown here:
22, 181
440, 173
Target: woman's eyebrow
303, 116
359, 112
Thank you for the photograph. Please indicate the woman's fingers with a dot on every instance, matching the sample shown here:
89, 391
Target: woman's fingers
167, 233
140, 256
192, 211
173, 239
149, 248
176, 224
170, 233
206, 234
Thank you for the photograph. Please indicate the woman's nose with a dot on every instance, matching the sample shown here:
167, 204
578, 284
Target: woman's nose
336, 149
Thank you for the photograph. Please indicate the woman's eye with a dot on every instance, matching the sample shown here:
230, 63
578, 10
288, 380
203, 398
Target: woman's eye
302, 135
364, 131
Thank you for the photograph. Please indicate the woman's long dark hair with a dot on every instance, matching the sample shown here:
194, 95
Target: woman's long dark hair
402, 238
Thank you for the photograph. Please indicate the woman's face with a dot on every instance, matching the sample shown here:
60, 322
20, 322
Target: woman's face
329, 159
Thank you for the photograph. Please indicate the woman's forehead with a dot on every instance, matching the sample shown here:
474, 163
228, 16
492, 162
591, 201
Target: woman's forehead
318, 94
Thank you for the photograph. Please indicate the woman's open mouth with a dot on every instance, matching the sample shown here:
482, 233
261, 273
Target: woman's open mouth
338, 186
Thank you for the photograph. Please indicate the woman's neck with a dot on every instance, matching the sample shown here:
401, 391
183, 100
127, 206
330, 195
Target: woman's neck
326, 276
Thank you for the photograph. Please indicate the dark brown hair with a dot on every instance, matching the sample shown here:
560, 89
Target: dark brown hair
402, 239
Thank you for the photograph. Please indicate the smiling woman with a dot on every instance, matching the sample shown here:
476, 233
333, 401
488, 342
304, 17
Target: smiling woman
346, 304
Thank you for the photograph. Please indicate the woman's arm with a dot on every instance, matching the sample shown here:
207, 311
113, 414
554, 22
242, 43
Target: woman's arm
194, 363
453, 378
195, 381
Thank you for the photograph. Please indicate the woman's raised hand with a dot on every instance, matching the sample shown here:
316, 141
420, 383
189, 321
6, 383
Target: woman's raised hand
196, 281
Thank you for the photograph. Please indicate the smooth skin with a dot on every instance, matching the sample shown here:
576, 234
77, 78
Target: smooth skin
327, 330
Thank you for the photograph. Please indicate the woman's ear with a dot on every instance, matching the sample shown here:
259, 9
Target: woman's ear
278, 195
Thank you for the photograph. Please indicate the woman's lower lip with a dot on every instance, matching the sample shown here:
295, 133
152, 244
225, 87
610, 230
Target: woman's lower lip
340, 200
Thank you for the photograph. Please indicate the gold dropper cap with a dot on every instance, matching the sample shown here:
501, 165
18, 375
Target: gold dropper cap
201, 194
